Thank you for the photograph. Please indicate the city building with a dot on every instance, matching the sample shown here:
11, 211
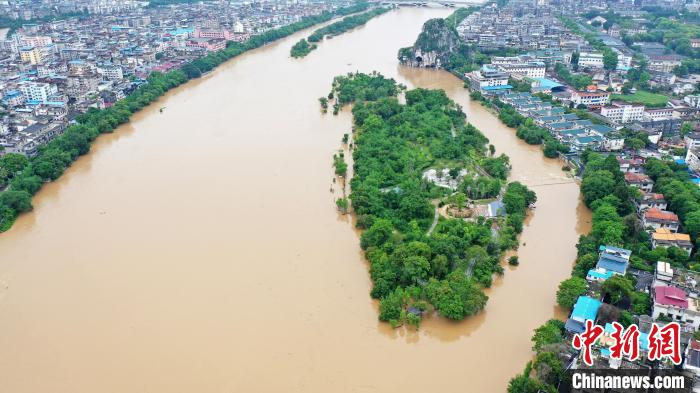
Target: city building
591, 99
622, 113
663, 237
660, 219
590, 60
37, 91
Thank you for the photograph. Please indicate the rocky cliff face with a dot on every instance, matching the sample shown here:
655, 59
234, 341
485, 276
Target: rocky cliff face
433, 47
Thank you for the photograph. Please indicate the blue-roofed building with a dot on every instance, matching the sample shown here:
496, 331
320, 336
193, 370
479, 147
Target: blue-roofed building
598, 275
601, 129
488, 79
589, 141
545, 85
613, 259
586, 308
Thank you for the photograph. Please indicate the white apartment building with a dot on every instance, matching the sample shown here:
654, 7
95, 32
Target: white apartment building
110, 72
37, 41
592, 99
658, 114
622, 113
623, 59
530, 69
590, 59
36, 91
487, 78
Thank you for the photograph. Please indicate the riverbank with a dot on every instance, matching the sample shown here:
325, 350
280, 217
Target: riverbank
305, 46
53, 158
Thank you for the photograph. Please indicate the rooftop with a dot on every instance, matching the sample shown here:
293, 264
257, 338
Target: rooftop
658, 214
670, 296
585, 308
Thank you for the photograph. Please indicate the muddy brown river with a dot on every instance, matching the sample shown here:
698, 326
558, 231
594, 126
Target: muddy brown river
199, 249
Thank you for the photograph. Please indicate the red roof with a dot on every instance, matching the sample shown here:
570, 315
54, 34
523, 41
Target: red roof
636, 177
670, 296
658, 214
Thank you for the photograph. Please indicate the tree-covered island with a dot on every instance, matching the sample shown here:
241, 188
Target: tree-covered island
409, 160
305, 45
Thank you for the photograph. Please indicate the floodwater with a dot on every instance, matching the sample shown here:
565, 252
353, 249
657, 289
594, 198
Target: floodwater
199, 249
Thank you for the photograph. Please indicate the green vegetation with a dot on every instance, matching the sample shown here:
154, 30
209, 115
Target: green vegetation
579, 82
646, 98
683, 198
53, 158
14, 24
546, 372
341, 167
324, 104
673, 33
440, 37
394, 144
348, 23
302, 48
569, 291
552, 332
342, 204
617, 288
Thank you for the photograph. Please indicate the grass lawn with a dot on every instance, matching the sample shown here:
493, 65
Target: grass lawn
643, 97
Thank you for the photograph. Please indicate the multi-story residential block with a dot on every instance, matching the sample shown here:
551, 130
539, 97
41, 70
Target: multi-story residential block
622, 113
488, 79
530, 69
590, 60
664, 63
213, 33
592, 99
32, 55
111, 72
37, 91
657, 114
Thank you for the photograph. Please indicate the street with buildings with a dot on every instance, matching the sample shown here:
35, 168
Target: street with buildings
50, 72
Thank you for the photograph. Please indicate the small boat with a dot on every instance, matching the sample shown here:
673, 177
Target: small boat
161, 109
